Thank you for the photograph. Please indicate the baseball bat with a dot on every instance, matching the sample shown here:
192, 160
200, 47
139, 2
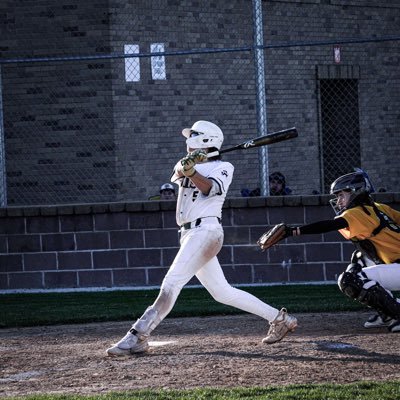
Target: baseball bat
273, 137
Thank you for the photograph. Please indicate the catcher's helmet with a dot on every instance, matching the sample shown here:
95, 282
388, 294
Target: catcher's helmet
203, 135
357, 184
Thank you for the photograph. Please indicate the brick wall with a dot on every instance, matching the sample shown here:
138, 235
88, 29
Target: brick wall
132, 244
77, 132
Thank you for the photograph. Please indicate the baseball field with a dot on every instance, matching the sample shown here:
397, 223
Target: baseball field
330, 356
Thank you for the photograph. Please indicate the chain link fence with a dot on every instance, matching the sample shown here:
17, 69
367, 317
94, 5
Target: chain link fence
93, 111
340, 127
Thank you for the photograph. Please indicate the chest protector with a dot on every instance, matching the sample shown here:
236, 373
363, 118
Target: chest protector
366, 246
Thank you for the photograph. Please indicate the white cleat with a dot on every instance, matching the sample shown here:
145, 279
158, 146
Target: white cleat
378, 321
280, 327
394, 326
129, 344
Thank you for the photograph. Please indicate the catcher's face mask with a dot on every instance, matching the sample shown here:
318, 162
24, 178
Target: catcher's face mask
341, 201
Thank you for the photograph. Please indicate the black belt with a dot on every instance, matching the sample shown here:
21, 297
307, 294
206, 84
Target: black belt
193, 224
190, 225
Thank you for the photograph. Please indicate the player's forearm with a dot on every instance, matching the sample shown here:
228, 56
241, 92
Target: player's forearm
323, 226
201, 182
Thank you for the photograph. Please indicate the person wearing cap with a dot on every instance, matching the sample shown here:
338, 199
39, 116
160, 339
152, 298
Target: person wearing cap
203, 180
277, 185
167, 192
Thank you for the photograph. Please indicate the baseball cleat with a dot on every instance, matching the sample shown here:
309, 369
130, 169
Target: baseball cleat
280, 327
394, 326
378, 321
129, 344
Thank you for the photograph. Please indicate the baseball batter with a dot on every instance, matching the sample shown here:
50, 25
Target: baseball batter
203, 185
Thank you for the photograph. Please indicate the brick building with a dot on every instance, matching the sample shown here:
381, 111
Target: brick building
83, 123
88, 132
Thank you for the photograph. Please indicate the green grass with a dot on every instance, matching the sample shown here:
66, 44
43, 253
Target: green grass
356, 391
26, 309
33, 309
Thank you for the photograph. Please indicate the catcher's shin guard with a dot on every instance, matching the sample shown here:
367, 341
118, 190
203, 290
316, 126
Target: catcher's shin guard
356, 285
378, 298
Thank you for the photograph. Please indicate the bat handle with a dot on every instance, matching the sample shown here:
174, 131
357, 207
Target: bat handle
213, 154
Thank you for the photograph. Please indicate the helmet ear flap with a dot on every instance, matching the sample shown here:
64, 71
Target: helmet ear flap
369, 187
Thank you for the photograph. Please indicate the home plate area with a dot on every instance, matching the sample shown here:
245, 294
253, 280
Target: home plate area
159, 343
223, 351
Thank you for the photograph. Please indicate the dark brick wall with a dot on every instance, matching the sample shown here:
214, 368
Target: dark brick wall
76, 132
133, 244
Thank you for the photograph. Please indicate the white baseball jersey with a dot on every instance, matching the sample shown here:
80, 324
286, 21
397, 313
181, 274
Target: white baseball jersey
192, 204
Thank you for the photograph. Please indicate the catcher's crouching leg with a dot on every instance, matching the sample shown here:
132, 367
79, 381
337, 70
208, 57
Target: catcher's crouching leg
355, 284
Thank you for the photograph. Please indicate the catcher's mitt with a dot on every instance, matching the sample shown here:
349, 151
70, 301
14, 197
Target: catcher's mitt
274, 235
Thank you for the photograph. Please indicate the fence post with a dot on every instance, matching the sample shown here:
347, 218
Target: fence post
3, 181
258, 42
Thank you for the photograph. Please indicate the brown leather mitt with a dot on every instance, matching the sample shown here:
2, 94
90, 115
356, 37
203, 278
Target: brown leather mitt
274, 235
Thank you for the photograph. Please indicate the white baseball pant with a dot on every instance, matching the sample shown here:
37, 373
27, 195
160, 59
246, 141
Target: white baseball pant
197, 256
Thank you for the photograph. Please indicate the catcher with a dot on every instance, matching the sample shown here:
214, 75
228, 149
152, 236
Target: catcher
374, 270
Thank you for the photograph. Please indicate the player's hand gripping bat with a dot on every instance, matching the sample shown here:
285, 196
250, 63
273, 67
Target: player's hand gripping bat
273, 137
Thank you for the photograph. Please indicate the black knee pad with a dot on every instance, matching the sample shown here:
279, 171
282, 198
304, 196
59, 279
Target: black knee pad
350, 283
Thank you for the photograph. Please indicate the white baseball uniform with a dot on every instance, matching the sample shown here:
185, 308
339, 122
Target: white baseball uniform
199, 217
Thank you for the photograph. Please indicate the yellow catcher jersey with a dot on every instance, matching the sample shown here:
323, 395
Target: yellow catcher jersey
361, 226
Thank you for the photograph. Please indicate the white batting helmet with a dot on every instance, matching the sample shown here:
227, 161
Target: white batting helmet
203, 135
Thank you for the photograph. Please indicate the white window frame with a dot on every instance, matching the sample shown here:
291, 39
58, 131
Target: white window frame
132, 63
158, 68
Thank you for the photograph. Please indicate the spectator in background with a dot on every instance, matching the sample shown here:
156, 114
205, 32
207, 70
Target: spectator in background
167, 192
277, 185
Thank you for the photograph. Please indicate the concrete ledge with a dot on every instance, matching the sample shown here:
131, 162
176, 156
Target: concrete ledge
155, 205
117, 244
